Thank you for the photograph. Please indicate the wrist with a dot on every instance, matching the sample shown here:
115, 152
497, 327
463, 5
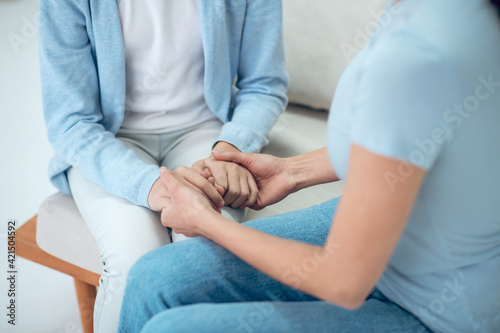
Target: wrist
204, 223
225, 146
310, 169
296, 173
153, 196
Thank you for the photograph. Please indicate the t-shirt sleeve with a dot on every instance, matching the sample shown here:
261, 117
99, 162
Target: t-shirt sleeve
405, 88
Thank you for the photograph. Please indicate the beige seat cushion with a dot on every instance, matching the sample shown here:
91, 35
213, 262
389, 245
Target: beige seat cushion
63, 233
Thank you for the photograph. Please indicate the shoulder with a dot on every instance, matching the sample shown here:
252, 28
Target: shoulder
404, 58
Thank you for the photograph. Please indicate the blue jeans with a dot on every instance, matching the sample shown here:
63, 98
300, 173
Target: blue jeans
198, 286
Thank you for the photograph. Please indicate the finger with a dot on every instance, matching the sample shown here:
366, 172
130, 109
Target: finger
211, 180
219, 173
199, 166
168, 178
217, 209
220, 189
244, 193
233, 189
173, 183
254, 193
206, 187
206, 173
233, 156
203, 184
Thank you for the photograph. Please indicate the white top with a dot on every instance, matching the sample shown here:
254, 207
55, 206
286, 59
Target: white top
164, 66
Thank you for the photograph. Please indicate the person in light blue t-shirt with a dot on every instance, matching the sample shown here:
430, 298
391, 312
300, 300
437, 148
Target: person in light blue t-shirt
414, 246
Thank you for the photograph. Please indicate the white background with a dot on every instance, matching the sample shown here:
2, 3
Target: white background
46, 300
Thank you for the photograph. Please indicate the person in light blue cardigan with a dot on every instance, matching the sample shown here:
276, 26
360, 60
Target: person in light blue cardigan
130, 86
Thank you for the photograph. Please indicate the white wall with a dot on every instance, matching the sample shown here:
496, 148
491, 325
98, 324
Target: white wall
46, 300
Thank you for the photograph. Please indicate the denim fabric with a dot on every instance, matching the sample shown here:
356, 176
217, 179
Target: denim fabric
198, 286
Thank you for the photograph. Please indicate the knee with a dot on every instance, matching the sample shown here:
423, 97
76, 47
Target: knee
145, 284
145, 273
145, 267
191, 318
173, 272
165, 321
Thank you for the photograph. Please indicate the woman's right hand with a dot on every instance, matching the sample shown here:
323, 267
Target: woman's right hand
159, 197
271, 174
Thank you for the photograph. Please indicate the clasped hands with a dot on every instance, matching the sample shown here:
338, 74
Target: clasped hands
186, 196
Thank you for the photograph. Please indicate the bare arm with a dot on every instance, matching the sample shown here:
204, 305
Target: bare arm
367, 226
312, 169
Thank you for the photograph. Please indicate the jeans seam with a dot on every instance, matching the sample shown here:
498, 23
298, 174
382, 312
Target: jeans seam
102, 289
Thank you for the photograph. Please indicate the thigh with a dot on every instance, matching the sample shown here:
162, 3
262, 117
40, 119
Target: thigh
198, 270
145, 146
376, 315
123, 231
190, 146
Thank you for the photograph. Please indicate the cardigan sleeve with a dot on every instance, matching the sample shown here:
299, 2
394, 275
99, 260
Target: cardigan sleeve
72, 108
262, 80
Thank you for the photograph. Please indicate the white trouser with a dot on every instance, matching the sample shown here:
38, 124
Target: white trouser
124, 231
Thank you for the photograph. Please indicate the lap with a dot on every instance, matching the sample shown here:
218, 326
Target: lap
199, 271
181, 270
123, 231
376, 315
192, 145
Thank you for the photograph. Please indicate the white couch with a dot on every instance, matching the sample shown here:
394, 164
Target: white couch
320, 36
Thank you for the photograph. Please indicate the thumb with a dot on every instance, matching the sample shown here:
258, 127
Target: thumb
233, 156
167, 176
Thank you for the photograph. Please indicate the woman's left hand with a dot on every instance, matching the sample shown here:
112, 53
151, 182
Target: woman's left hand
188, 205
235, 183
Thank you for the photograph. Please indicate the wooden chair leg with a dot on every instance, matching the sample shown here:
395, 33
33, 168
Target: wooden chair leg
86, 294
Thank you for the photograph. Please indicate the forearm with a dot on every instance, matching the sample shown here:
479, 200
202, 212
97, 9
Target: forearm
110, 164
224, 146
253, 118
285, 260
311, 169
262, 80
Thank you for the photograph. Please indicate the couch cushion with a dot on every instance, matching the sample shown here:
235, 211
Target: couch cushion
317, 34
62, 232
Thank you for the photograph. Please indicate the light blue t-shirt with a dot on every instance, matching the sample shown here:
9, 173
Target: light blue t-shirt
426, 89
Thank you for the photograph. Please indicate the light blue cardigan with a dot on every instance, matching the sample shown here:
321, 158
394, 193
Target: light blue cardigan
83, 85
